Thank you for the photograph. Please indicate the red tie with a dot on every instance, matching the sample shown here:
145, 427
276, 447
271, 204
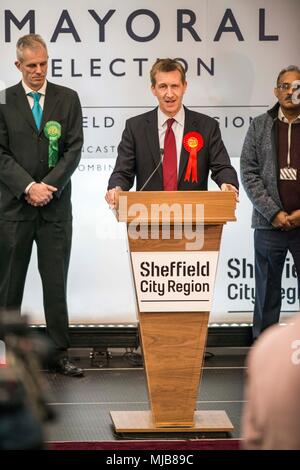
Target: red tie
170, 159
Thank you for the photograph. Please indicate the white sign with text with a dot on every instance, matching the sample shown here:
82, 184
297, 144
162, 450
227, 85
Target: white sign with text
174, 281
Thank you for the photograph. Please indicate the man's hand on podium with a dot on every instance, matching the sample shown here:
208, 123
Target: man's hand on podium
111, 197
230, 187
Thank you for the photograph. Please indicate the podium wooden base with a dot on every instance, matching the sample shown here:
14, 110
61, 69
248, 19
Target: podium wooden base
173, 322
141, 422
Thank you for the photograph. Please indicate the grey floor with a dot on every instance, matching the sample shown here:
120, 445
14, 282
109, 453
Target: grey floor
82, 405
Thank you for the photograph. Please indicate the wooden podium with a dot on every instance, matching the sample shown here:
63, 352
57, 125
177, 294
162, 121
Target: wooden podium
174, 279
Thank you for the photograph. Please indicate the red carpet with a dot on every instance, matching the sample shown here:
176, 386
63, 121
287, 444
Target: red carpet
199, 444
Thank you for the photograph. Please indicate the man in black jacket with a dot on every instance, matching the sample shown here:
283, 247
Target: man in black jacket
171, 147
40, 147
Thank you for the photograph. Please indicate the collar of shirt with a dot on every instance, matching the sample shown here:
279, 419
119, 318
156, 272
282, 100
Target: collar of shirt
162, 118
42, 91
282, 117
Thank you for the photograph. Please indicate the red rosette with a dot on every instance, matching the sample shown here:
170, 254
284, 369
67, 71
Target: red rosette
192, 142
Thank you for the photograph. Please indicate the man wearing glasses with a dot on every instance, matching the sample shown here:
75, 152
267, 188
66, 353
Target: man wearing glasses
270, 173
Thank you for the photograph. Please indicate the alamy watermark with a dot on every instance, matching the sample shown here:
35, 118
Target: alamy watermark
2, 353
295, 357
165, 221
2, 92
296, 92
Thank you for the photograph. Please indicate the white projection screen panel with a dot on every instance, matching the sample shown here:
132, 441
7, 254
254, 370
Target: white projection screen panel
233, 51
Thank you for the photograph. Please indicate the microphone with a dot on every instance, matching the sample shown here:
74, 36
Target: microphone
161, 151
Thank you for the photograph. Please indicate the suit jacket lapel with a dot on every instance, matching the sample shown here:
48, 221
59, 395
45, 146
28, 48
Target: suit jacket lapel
50, 102
23, 106
189, 125
153, 139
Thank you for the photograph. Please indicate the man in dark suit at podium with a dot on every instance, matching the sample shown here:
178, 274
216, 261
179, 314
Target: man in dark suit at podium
171, 148
40, 147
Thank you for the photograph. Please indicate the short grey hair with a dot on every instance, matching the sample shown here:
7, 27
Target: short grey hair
30, 41
290, 68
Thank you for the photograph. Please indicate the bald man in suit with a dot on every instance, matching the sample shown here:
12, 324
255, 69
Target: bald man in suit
271, 415
35, 189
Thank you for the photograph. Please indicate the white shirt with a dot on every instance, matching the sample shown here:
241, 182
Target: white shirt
177, 127
42, 91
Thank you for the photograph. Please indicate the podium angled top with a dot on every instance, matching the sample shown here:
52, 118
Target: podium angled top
176, 207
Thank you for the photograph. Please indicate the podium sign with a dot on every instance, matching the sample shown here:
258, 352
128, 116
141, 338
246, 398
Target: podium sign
174, 281
174, 277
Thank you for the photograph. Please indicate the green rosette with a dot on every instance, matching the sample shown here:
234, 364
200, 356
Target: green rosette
52, 131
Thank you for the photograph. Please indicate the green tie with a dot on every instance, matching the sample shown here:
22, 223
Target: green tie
37, 109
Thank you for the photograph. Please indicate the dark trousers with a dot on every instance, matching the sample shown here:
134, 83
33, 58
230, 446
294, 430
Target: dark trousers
53, 240
271, 247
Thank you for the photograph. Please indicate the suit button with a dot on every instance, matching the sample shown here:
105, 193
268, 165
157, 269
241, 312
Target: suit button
42, 161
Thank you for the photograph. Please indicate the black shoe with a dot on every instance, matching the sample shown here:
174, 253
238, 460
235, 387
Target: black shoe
65, 367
